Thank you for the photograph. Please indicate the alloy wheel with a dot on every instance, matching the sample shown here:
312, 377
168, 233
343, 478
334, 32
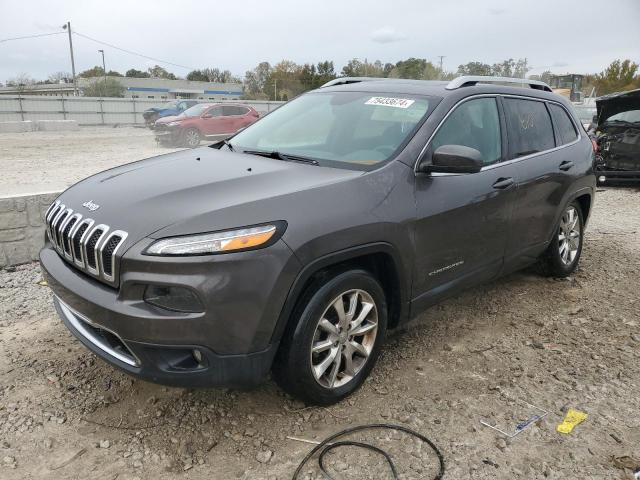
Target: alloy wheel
192, 138
569, 236
344, 338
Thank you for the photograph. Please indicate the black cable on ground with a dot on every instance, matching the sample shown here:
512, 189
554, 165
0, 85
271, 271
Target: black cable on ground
326, 446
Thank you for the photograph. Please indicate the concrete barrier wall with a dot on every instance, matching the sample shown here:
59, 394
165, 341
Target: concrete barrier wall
22, 227
93, 110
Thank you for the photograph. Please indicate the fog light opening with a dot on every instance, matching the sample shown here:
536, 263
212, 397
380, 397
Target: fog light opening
173, 298
602, 178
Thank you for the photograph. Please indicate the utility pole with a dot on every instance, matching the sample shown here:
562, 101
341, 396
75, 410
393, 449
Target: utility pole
104, 71
441, 57
67, 27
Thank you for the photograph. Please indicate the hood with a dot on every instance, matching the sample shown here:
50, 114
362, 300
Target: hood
195, 191
614, 103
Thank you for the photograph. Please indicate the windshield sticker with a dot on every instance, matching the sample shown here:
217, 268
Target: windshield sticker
390, 102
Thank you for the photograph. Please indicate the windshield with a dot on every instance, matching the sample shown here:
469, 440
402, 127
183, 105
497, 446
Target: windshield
353, 128
194, 111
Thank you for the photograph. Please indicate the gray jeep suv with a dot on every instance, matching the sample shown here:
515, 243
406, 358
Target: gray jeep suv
295, 245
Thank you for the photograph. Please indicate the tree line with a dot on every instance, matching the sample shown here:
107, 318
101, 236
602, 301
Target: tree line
287, 79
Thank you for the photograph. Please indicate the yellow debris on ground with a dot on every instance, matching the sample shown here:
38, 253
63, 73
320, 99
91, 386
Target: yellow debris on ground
572, 418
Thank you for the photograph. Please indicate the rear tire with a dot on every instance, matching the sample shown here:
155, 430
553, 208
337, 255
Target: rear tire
339, 327
191, 138
563, 253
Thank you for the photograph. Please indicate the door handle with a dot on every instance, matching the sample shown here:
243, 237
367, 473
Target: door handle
566, 165
503, 183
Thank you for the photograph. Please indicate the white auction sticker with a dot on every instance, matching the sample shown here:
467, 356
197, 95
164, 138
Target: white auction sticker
390, 102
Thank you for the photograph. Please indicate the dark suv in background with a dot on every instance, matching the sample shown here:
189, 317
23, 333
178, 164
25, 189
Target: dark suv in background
296, 244
617, 132
175, 107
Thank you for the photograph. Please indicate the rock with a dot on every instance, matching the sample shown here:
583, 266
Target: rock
501, 444
7, 460
105, 444
264, 456
137, 464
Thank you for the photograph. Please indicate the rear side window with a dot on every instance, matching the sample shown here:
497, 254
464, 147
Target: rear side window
564, 126
473, 124
529, 127
234, 110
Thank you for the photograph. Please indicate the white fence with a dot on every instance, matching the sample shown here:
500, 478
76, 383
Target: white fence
91, 110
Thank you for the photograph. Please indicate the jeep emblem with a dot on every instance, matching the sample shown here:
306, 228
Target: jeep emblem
90, 205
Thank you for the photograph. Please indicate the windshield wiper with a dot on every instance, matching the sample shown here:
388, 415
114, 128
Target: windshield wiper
219, 145
282, 156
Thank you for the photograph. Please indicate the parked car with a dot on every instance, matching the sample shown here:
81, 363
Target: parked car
175, 107
618, 137
295, 245
205, 120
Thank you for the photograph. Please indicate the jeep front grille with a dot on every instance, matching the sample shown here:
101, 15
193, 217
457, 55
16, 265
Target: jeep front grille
88, 246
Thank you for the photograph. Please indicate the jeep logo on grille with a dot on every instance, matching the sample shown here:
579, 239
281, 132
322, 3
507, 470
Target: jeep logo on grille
90, 205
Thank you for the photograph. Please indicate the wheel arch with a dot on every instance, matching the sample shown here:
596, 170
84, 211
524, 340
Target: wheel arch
585, 201
380, 259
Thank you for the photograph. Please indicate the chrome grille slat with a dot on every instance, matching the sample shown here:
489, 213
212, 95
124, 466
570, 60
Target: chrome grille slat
54, 223
89, 247
78, 237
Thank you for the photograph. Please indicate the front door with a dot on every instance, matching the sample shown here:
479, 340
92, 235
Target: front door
213, 123
463, 220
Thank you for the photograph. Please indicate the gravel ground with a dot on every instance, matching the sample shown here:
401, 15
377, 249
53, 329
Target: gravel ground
553, 343
34, 162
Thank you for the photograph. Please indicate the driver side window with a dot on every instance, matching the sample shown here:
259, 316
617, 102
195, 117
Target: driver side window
473, 124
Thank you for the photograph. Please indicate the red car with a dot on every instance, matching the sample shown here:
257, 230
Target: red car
204, 120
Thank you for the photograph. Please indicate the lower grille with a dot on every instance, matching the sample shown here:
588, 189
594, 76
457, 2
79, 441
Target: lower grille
98, 336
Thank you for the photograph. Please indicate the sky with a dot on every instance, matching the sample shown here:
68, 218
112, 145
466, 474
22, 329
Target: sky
562, 36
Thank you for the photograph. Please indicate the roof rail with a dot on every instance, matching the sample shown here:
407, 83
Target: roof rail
347, 80
470, 80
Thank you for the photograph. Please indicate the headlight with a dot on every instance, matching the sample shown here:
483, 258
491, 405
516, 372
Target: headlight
220, 242
173, 124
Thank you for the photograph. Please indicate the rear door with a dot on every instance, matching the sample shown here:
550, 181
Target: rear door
234, 117
544, 171
463, 220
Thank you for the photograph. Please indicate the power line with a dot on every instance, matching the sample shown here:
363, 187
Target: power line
30, 36
132, 53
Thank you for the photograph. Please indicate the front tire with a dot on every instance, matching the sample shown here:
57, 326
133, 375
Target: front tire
340, 326
191, 138
563, 253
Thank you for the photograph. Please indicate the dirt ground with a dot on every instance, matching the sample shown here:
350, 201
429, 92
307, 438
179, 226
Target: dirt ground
552, 343
34, 162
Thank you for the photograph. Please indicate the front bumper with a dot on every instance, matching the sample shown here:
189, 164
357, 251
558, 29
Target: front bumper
167, 135
242, 293
618, 176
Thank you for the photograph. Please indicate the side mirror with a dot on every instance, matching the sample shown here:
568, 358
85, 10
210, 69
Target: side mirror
452, 159
595, 119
